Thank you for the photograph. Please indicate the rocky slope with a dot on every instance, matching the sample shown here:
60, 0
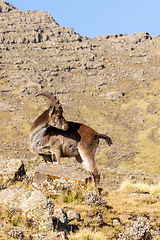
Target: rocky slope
109, 82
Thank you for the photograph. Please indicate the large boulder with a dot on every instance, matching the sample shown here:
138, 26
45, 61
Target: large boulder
54, 178
11, 169
34, 205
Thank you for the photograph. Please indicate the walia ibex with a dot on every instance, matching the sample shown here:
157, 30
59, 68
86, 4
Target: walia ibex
52, 137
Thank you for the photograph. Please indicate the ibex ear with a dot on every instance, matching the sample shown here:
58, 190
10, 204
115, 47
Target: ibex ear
52, 109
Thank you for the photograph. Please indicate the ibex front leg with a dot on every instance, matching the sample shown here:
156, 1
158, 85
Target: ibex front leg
90, 165
56, 157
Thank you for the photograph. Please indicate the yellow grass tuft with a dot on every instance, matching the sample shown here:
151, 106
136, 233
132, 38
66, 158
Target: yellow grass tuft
87, 234
143, 187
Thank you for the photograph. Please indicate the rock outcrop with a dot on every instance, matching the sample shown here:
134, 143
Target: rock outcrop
34, 205
11, 170
30, 26
35, 209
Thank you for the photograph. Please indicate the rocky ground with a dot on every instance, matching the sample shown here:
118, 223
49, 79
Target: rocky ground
110, 83
65, 209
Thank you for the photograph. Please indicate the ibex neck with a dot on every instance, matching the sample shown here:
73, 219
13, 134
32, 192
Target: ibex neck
42, 120
39, 130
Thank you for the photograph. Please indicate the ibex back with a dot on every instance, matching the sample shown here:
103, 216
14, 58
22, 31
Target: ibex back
52, 137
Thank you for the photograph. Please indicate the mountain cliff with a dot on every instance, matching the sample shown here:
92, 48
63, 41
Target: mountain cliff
109, 82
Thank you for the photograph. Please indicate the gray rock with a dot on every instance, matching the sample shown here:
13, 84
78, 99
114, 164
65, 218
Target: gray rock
13, 197
113, 95
73, 215
60, 221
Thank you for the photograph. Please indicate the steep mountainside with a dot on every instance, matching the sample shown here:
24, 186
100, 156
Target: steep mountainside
109, 82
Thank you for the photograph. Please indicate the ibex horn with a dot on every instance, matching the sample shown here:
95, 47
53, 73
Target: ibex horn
50, 96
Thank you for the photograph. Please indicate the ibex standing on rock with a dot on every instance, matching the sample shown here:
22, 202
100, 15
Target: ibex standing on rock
52, 137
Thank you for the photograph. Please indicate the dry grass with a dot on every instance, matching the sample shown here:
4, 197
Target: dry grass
87, 234
126, 204
136, 200
10, 220
141, 187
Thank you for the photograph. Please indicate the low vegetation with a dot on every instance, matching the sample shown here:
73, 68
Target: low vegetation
124, 211
140, 187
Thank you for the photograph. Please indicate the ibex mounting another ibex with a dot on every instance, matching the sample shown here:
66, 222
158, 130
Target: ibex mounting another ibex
52, 137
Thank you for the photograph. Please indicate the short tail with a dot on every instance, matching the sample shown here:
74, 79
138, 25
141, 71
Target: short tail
108, 139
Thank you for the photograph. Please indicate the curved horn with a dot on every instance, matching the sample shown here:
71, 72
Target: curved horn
51, 97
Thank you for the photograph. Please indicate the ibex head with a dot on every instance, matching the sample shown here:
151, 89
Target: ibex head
56, 118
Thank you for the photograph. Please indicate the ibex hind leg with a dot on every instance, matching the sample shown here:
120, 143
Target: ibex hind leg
56, 154
90, 165
79, 159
